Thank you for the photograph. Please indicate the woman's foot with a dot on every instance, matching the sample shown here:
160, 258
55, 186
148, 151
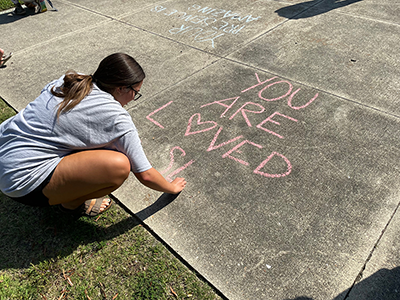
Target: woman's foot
90, 208
4, 58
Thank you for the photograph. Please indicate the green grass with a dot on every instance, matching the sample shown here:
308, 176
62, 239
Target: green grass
45, 254
6, 4
5, 111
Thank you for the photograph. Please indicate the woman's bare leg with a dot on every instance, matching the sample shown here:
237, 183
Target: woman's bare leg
86, 175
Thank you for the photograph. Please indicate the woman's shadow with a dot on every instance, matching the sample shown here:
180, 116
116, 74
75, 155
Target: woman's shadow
30, 235
312, 8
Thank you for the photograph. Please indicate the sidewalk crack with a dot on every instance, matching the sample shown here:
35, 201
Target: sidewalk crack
360, 274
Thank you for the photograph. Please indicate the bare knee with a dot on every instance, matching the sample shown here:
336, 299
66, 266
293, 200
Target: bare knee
119, 168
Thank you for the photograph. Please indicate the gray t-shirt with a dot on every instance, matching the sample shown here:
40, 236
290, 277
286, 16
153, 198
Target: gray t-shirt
34, 141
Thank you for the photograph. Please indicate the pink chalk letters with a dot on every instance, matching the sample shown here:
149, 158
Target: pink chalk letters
289, 167
212, 145
269, 119
235, 149
196, 125
172, 161
203, 129
157, 110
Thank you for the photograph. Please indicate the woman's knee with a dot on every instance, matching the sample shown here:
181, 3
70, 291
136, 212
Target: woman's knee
119, 167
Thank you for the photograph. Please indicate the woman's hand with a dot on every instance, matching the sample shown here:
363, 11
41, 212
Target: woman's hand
179, 184
154, 180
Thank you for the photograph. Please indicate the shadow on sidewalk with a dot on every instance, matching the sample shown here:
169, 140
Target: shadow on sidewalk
382, 285
307, 10
10, 17
161, 202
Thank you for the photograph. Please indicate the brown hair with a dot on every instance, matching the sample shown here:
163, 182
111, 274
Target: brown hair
116, 70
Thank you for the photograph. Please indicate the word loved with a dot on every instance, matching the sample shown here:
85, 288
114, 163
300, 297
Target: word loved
231, 109
206, 24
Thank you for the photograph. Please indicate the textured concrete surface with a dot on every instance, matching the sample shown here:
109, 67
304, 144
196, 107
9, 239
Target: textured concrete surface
282, 115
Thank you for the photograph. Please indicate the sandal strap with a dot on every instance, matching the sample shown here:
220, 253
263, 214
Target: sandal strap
92, 207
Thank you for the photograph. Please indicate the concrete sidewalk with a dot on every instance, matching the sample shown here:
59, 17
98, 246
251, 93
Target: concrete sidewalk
283, 116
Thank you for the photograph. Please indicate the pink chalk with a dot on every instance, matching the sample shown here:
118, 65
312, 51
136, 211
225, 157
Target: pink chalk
171, 154
259, 83
228, 154
289, 167
303, 106
280, 97
223, 104
269, 119
188, 132
212, 147
249, 111
169, 177
172, 161
157, 110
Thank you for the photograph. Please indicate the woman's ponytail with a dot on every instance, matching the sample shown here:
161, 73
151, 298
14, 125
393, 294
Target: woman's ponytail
75, 88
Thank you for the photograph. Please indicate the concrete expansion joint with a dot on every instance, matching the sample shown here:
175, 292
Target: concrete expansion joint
170, 249
360, 275
368, 19
87, 9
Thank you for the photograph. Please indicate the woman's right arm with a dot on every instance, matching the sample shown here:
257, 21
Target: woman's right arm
154, 180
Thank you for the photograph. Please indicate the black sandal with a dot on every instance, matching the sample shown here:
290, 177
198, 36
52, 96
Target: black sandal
4, 59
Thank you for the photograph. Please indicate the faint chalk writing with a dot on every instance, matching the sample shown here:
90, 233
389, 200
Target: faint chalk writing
205, 24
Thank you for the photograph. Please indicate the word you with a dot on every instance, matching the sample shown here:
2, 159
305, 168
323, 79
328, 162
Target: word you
232, 108
206, 24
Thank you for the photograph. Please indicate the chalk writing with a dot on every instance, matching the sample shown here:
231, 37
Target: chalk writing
157, 110
206, 128
223, 104
232, 108
269, 119
205, 24
235, 149
289, 167
272, 84
302, 106
212, 144
199, 35
249, 111
172, 161
259, 83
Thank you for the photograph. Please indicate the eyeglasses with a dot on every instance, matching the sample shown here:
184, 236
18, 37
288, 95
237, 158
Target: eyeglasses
137, 94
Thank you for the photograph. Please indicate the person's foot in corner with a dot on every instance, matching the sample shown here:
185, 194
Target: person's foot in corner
19, 9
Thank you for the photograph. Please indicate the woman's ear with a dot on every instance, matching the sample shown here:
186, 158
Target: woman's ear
119, 90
